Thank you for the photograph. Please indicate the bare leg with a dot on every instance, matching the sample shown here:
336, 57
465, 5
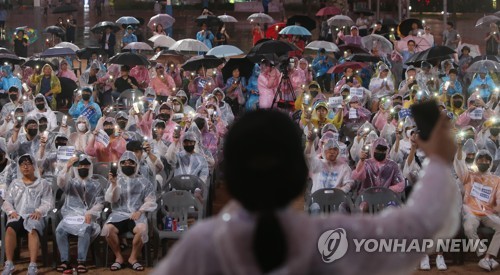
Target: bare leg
114, 242
137, 242
33, 245
10, 243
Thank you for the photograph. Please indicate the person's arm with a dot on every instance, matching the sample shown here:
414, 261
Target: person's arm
13, 143
172, 152
47, 201
347, 181
113, 193
91, 149
359, 173
460, 166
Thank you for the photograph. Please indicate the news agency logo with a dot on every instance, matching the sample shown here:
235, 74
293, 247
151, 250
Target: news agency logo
333, 245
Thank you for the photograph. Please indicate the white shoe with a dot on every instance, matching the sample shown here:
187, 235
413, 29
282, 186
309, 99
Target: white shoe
8, 268
494, 264
484, 264
440, 264
424, 263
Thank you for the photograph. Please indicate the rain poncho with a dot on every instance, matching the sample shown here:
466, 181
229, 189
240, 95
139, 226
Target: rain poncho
163, 85
268, 81
465, 119
451, 87
79, 138
299, 76
141, 74
48, 163
48, 113
200, 84
236, 93
186, 163
22, 145
110, 153
253, 90
68, 73
81, 108
131, 194
381, 86
146, 122
404, 85
484, 91
26, 199
159, 145
187, 109
9, 107
7, 173
85, 77
321, 64
9, 80
224, 109
311, 100
373, 173
83, 196
55, 85
326, 174
457, 111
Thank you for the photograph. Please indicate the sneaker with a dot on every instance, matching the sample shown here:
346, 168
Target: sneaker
484, 264
8, 268
32, 269
440, 264
494, 264
424, 263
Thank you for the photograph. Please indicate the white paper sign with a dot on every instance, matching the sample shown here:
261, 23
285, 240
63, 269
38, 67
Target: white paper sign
353, 113
356, 92
74, 220
335, 101
103, 138
64, 153
481, 192
476, 114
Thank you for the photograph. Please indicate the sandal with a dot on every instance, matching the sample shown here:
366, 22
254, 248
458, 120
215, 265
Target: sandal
137, 266
81, 268
116, 266
63, 267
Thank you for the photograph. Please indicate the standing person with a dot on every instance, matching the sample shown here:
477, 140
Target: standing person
353, 38
129, 36
268, 82
159, 29
451, 36
362, 24
321, 64
492, 40
265, 6
47, 84
20, 42
71, 29
405, 53
427, 35
221, 37
205, 36
3, 18
108, 42
257, 34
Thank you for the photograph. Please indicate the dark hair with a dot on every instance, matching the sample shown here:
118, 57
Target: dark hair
125, 68
134, 145
13, 89
24, 158
453, 71
200, 122
43, 119
265, 170
411, 41
450, 24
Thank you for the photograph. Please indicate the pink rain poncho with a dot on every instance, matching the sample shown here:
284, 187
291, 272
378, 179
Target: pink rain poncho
379, 174
141, 74
268, 82
301, 76
163, 85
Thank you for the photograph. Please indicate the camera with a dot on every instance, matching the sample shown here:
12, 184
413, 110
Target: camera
287, 64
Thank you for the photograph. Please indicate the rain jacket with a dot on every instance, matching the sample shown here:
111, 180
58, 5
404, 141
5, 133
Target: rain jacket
8, 171
26, 199
55, 85
49, 114
187, 109
321, 64
77, 109
23, 145
377, 85
83, 196
186, 163
141, 74
456, 111
476, 83
300, 77
9, 107
9, 80
464, 119
80, 139
163, 85
268, 83
68, 73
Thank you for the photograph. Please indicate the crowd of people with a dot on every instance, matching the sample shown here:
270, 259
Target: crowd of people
358, 130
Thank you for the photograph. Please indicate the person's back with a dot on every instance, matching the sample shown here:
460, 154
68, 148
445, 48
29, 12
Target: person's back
265, 172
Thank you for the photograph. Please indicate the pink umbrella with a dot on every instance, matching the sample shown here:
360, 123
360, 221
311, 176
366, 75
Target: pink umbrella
421, 44
329, 11
164, 19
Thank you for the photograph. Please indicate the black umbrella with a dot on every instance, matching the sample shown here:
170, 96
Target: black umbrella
364, 11
257, 58
57, 51
66, 8
404, 27
129, 58
363, 57
36, 62
302, 20
4, 50
485, 57
277, 47
55, 30
101, 27
434, 53
353, 48
210, 20
166, 56
205, 61
244, 65
86, 53
10, 58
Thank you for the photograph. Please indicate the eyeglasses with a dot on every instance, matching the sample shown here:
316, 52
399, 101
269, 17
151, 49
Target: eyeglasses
26, 164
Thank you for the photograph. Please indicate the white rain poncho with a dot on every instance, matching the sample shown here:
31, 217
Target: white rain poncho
80, 138
185, 163
48, 163
82, 196
381, 86
131, 194
23, 145
26, 199
49, 114
7, 172
159, 147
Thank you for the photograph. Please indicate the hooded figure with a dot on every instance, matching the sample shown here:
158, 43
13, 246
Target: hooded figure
65, 71
141, 74
27, 142
42, 107
253, 90
7, 168
301, 75
476, 121
382, 83
115, 147
482, 84
184, 99
92, 75
81, 136
9, 80
158, 144
309, 97
187, 161
47, 84
87, 107
131, 193
320, 65
457, 103
469, 149
15, 97
226, 113
330, 171
50, 165
268, 82
82, 207
164, 113
378, 170
410, 80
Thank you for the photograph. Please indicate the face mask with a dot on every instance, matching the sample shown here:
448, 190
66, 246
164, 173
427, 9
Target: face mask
483, 167
109, 131
13, 97
189, 148
122, 124
86, 97
379, 156
177, 108
42, 127
32, 132
83, 172
128, 170
469, 160
457, 104
81, 127
210, 111
164, 117
40, 106
494, 131
314, 94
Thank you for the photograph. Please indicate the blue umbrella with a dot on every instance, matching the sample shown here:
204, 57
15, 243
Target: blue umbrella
225, 51
295, 30
57, 51
127, 20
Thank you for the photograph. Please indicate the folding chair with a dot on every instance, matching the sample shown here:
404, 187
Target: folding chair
332, 200
378, 198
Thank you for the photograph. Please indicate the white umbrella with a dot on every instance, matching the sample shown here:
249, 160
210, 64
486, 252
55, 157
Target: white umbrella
260, 18
161, 40
68, 45
127, 20
340, 20
318, 44
474, 49
164, 19
189, 45
225, 51
138, 46
486, 20
227, 18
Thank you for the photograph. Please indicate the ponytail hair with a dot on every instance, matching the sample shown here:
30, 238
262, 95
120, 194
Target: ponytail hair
269, 242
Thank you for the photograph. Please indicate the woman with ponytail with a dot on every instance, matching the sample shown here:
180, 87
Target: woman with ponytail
258, 233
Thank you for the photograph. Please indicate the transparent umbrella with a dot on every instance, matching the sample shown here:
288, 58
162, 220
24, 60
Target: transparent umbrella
260, 18
377, 41
490, 65
161, 40
318, 44
340, 20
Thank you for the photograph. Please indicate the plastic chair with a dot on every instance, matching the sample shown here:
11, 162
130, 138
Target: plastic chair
331, 199
177, 205
378, 198
190, 183
128, 97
